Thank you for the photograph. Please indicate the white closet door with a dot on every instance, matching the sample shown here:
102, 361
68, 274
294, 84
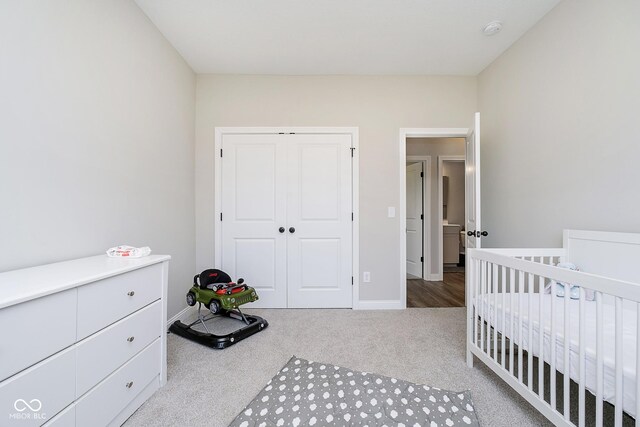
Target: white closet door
319, 208
414, 219
254, 208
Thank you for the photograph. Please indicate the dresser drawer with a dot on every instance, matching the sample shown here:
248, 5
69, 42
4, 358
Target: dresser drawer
34, 330
36, 394
103, 403
104, 352
66, 418
107, 301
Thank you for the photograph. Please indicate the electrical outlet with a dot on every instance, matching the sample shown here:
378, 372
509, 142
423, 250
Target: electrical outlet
391, 212
366, 277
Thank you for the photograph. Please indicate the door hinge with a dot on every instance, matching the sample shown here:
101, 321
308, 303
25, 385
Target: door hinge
220, 216
352, 150
221, 152
421, 174
351, 216
351, 280
421, 259
421, 216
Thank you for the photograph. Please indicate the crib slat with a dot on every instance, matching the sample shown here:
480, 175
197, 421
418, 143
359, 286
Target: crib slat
520, 309
495, 311
553, 344
530, 285
566, 367
619, 390
512, 292
483, 267
476, 290
471, 297
637, 364
503, 279
599, 359
541, 321
581, 361
488, 305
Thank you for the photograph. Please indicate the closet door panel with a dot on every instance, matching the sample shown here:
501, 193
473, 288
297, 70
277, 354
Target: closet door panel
253, 209
319, 209
315, 275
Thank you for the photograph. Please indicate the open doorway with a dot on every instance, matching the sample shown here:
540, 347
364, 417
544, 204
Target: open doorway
435, 221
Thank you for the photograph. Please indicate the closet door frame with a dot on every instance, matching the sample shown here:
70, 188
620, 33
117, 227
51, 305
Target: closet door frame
355, 173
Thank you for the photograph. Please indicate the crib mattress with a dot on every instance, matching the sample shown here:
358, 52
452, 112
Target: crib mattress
492, 307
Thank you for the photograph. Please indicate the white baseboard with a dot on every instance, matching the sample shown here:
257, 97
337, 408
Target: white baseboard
393, 304
181, 315
435, 277
379, 305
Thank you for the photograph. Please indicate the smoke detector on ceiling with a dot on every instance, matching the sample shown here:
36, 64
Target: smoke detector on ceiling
493, 27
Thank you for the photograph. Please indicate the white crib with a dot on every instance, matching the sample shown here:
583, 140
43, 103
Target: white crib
541, 343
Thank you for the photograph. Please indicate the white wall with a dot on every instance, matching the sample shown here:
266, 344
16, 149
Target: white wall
435, 147
379, 106
560, 111
96, 136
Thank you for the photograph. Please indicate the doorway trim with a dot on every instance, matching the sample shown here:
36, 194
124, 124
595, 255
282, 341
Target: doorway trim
402, 143
426, 211
355, 185
441, 160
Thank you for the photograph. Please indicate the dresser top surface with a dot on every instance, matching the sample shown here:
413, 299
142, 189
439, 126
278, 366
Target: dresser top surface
22, 285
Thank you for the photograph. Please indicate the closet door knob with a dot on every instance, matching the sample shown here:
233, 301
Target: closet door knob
471, 233
292, 230
281, 229
129, 384
130, 339
131, 293
484, 234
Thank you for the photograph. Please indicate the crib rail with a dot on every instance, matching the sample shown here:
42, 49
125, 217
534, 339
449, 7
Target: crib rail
545, 345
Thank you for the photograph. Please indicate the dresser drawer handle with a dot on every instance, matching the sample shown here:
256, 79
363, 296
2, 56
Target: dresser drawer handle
131, 293
130, 339
129, 384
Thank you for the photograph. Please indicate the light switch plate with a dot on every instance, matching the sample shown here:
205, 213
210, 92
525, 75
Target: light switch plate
366, 277
392, 212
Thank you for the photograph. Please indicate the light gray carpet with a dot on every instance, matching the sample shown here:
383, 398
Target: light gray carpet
209, 387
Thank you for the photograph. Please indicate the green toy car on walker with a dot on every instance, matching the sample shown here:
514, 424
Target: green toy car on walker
214, 289
218, 293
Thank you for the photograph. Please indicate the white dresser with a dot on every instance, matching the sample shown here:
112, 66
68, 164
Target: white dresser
82, 342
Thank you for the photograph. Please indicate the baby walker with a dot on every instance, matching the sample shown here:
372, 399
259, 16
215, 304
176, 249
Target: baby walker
222, 297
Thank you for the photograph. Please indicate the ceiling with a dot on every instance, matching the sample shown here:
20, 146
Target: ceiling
302, 37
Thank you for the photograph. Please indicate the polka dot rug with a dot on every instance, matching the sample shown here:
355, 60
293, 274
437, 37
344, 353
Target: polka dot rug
306, 393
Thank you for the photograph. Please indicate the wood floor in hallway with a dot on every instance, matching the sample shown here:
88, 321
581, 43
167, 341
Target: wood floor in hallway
447, 293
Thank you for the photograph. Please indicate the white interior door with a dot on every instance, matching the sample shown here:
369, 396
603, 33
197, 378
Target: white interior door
319, 221
414, 219
253, 210
287, 217
472, 184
